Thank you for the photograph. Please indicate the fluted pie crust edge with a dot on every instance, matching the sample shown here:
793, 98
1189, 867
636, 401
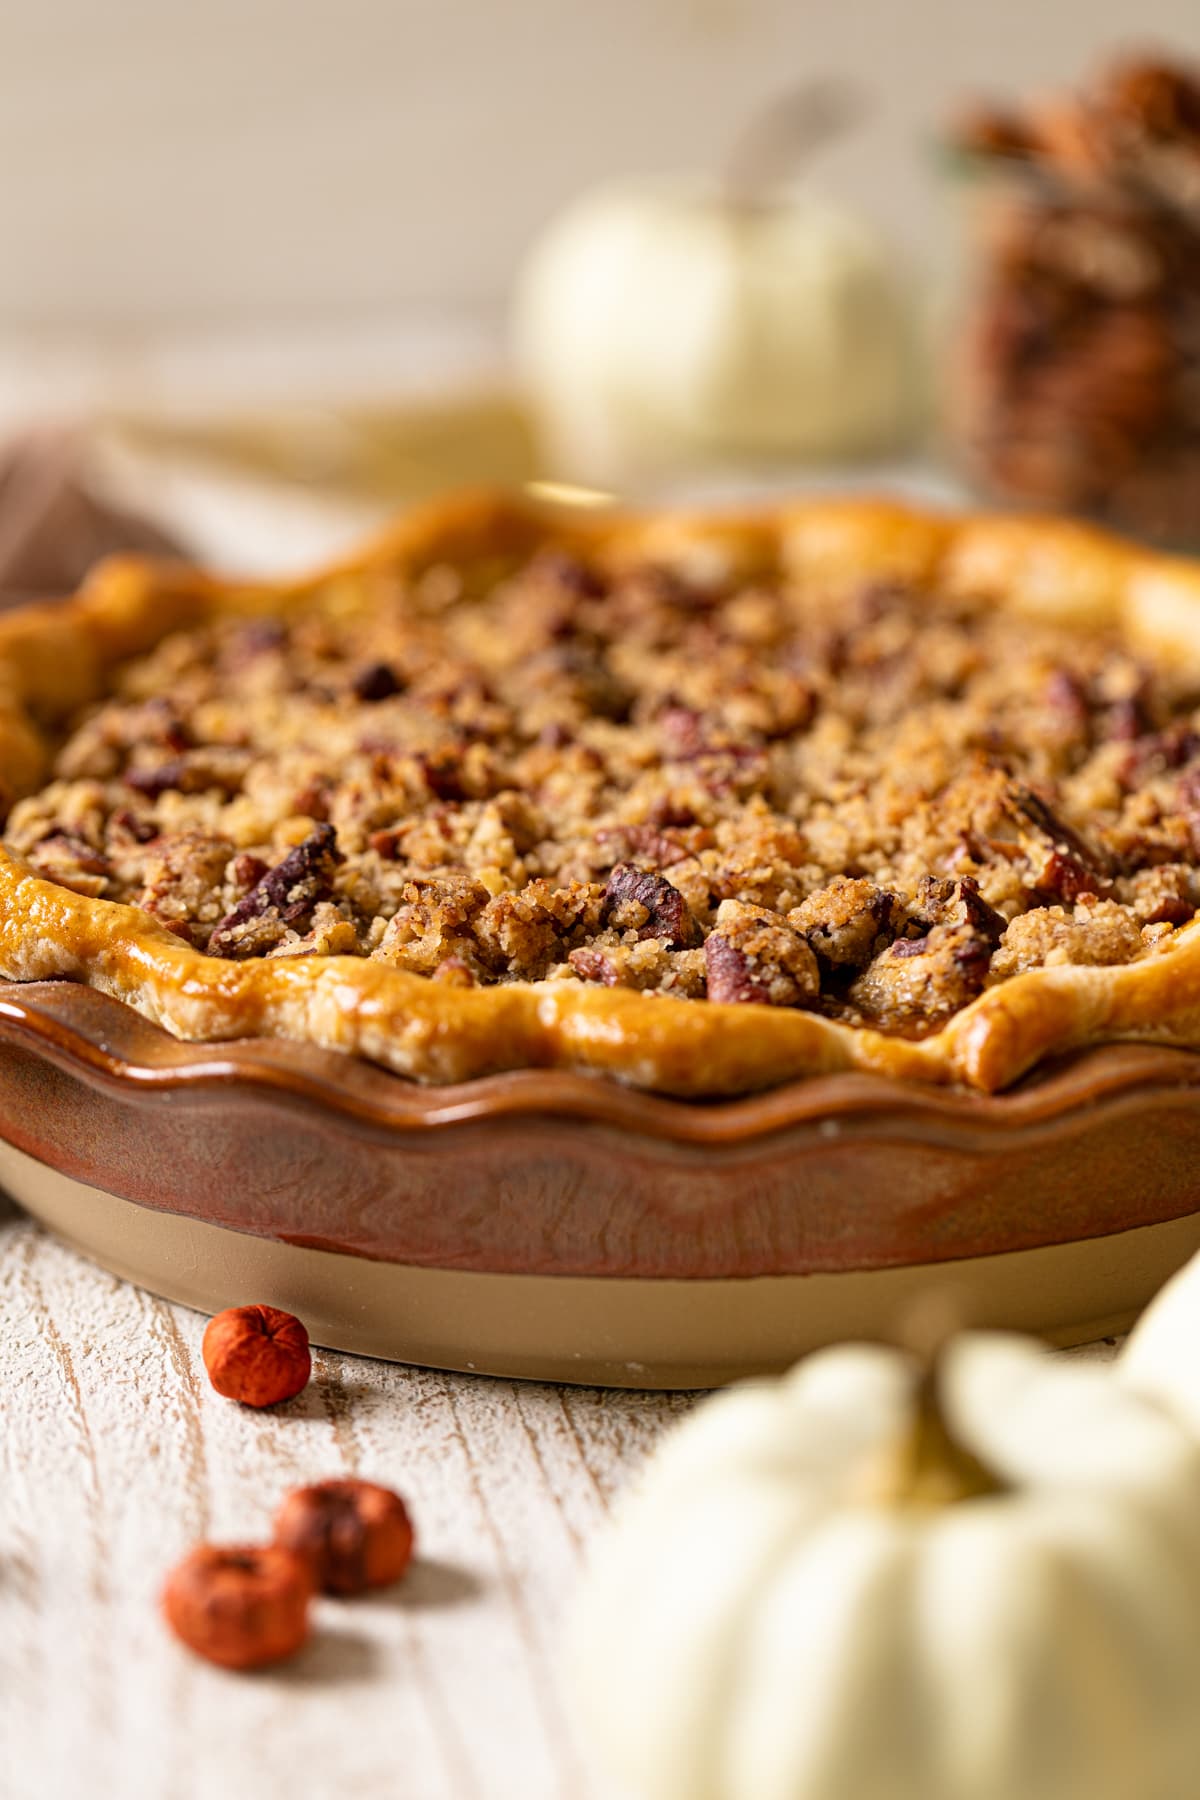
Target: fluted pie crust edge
55, 658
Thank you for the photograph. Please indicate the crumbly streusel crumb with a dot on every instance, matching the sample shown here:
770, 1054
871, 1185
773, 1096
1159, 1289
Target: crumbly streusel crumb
628, 779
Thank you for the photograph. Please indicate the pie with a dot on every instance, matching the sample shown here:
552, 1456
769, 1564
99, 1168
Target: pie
701, 803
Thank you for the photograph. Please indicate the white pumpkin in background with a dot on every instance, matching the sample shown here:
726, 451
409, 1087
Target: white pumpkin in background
1162, 1356
817, 1593
666, 325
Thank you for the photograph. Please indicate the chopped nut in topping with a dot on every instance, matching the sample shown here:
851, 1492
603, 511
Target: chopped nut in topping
940, 966
283, 898
754, 955
846, 922
640, 901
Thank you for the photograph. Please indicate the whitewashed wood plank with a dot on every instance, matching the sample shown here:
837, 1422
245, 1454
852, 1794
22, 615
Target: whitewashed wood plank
115, 1455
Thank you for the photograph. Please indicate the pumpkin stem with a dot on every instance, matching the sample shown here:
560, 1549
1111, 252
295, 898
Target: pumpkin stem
925, 1467
782, 137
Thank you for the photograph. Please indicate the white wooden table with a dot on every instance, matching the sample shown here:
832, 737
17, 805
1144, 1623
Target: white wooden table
115, 1456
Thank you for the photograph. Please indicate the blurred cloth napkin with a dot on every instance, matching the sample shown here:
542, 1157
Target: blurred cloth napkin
53, 527
266, 451
270, 492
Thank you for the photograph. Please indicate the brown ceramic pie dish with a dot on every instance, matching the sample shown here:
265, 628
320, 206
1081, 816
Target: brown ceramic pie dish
558, 1226
630, 951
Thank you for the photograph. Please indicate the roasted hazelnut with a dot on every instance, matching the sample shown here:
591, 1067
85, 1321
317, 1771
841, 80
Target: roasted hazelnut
257, 1354
353, 1534
241, 1606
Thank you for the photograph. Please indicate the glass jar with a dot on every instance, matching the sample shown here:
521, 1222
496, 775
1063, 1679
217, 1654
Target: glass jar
1075, 374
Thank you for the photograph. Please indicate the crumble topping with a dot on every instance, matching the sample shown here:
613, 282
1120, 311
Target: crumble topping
630, 778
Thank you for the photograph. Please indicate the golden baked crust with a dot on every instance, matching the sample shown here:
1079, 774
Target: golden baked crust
1067, 581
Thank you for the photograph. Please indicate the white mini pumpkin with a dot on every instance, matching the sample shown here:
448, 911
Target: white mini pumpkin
661, 328
1162, 1356
817, 1594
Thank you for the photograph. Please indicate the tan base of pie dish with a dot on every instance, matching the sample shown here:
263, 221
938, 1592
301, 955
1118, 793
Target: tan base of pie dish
618, 1333
559, 1226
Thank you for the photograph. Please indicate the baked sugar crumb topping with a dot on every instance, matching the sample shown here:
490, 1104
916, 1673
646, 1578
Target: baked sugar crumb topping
748, 795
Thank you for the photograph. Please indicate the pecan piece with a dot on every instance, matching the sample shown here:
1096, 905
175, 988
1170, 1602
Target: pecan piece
926, 977
969, 954
1163, 895
752, 955
989, 130
378, 681
1128, 719
560, 569
1149, 755
730, 981
312, 801
1070, 866
670, 811
124, 823
639, 900
913, 946
442, 770
1152, 98
644, 841
219, 766
156, 781
1063, 877
257, 638
592, 965
958, 902
386, 844
71, 862
283, 897
1032, 811
75, 850
920, 982
845, 921
682, 731
247, 870
1068, 696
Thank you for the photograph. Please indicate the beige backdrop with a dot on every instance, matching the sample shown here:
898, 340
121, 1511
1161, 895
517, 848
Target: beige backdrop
163, 160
